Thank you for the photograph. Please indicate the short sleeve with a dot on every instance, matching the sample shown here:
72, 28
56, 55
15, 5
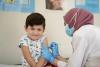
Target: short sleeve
23, 42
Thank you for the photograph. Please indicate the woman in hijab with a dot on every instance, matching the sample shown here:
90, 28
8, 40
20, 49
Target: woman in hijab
79, 25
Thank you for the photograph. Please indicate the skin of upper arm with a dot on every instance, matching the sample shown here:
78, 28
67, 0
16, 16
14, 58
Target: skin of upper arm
45, 41
27, 56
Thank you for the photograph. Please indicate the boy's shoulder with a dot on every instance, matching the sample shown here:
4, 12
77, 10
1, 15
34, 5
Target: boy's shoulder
23, 41
24, 37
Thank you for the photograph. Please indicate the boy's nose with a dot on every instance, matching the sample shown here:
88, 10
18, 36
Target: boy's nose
34, 32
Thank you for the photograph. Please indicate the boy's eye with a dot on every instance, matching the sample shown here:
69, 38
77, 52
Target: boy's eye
39, 29
32, 28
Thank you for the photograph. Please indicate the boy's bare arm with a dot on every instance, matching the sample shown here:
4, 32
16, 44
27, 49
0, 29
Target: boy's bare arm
27, 56
41, 62
45, 41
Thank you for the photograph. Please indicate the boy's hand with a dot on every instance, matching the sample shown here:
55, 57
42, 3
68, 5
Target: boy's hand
54, 48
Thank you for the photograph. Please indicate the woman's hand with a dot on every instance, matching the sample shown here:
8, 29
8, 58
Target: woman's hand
46, 54
54, 48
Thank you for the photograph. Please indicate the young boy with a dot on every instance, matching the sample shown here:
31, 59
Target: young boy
31, 42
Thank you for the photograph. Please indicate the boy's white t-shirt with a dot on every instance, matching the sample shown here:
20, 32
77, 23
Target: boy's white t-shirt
34, 47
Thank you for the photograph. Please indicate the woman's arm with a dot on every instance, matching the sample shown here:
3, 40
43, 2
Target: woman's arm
27, 56
80, 45
41, 62
62, 59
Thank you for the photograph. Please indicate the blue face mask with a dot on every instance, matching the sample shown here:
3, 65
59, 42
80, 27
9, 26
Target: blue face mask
69, 31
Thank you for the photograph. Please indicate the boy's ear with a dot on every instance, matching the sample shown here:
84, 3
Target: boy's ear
24, 27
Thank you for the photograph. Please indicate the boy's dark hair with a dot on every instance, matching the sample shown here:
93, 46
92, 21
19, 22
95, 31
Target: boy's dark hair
35, 19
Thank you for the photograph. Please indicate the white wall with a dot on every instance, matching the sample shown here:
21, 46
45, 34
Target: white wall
12, 27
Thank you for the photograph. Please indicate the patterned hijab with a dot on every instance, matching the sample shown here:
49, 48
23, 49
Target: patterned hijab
83, 18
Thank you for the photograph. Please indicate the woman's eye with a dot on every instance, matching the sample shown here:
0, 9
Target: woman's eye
64, 23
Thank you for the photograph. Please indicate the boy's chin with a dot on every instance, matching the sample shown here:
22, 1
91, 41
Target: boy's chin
35, 39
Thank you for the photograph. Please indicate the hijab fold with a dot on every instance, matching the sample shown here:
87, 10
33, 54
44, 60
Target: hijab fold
83, 18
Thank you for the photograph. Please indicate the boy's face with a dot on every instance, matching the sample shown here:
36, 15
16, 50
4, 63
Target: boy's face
35, 32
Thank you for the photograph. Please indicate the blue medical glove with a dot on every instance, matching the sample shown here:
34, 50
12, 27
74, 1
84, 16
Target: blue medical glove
46, 54
54, 48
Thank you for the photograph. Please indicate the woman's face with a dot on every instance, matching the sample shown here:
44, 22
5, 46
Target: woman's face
35, 32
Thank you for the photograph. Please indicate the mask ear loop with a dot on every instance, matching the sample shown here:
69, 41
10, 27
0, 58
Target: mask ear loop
75, 16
